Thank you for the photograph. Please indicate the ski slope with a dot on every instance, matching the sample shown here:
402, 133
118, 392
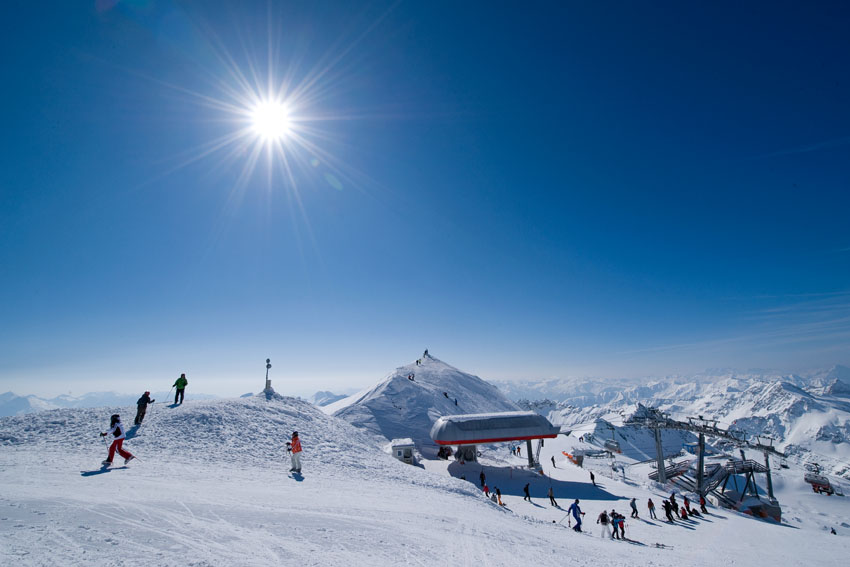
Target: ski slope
211, 487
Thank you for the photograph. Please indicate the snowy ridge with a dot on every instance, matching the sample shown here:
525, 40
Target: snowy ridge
400, 407
808, 416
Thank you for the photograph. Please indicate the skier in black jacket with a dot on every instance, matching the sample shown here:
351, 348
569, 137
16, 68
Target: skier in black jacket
143, 407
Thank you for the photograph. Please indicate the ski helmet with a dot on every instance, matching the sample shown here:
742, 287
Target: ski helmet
295, 434
115, 417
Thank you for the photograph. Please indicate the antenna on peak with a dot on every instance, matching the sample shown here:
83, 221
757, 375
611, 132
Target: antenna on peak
268, 382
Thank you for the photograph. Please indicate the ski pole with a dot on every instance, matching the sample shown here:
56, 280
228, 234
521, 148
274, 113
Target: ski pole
169, 394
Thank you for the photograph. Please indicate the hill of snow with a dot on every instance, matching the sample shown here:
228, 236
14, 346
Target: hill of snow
401, 407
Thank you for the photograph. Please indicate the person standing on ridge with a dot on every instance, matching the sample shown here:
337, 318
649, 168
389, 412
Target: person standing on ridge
116, 428
180, 384
482, 476
425, 354
296, 453
527, 495
577, 514
499, 496
142, 404
552, 497
486, 490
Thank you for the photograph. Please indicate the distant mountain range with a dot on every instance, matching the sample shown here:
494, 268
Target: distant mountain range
807, 416
13, 404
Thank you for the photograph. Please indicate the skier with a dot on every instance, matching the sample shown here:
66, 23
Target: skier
296, 453
499, 496
668, 510
425, 354
577, 514
702, 505
683, 513
518, 451
117, 429
486, 491
143, 407
180, 384
527, 495
592, 478
673, 503
651, 505
633, 504
687, 505
619, 521
553, 463
603, 519
482, 477
552, 497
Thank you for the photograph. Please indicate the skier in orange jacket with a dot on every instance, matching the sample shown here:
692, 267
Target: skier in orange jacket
296, 453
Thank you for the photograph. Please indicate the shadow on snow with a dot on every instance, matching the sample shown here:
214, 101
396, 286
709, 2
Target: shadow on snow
510, 482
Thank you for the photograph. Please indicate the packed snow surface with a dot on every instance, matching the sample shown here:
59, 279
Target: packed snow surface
210, 487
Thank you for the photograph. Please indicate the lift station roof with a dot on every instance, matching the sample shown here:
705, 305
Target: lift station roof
479, 428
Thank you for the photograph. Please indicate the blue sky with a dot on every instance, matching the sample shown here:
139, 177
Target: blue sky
570, 189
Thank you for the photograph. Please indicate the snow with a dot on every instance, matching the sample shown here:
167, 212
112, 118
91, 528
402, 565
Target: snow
808, 416
400, 407
210, 487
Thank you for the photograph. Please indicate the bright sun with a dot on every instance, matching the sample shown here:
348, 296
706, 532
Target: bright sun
270, 120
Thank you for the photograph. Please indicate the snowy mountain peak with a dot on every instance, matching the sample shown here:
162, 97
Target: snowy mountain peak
408, 401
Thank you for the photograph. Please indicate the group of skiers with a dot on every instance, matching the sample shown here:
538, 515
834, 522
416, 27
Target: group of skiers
613, 523
672, 508
116, 429
142, 403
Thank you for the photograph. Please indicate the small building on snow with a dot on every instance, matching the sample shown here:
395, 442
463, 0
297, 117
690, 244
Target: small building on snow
402, 449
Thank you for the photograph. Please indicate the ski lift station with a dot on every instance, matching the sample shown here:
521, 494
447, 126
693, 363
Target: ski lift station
402, 450
467, 431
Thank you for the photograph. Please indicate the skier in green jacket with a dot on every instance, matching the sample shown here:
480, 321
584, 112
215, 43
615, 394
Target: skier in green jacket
180, 384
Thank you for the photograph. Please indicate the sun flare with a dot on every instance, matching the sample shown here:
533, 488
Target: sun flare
270, 120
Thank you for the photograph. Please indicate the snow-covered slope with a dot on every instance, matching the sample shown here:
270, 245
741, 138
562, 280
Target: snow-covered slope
401, 407
210, 488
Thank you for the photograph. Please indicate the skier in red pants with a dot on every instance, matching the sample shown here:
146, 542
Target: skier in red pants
117, 429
